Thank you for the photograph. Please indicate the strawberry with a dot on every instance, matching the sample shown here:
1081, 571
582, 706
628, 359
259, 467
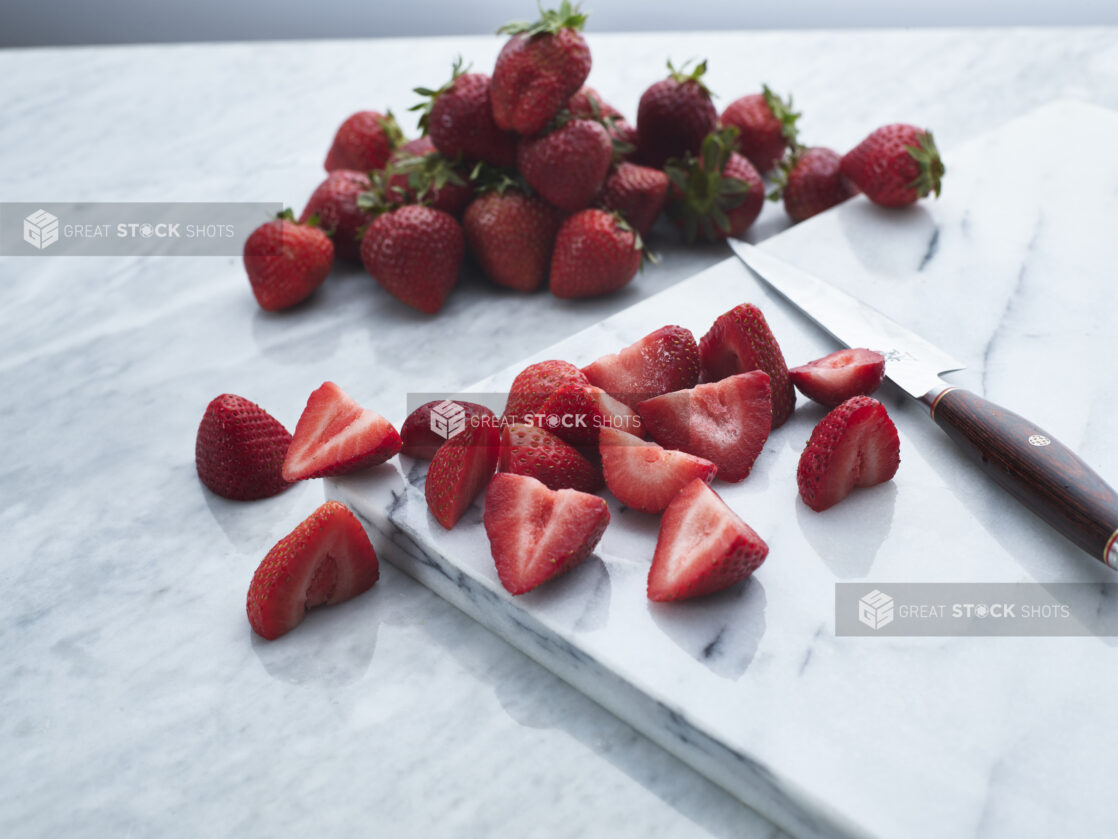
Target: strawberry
595, 253
286, 261
534, 384
459, 118
429, 179
810, 182
335, 435
535, 533
587, 103
703, 547
725, 422
334, 202
421, 441
645, 476
327, 559
674, 115
739, 341
717, 194
660, 362
528, 450
636, 192
766, 126
511, 235
239, 449
543, 64
577, 412
835, 378
855, 445
364, 142
460, 470
895, 165
419, 147
415, 254
568, 165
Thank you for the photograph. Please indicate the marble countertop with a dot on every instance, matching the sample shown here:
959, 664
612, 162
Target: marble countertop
135, 700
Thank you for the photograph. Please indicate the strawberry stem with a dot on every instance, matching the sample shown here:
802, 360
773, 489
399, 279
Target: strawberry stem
683, 77
931, 166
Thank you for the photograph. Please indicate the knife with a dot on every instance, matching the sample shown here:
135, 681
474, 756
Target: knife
1028, 462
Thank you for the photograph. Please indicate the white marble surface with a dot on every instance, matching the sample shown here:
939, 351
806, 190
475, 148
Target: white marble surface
134, 699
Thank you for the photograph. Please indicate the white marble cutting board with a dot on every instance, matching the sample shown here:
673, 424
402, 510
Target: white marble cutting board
1012, 271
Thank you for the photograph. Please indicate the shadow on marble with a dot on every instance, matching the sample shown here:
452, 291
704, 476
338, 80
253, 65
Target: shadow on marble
586, 587
243, 522
911, 233
848, 536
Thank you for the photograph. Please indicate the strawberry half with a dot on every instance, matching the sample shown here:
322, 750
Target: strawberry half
835, 378
660, 362
536, 534
419, 438
327, 559
539, 454
335, 435
855, 445
459, 471
739, 341
725, 422
644, 476
576, 413
703, 547
240, 448
534, 384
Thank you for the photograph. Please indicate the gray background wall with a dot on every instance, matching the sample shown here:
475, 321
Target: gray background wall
130, 21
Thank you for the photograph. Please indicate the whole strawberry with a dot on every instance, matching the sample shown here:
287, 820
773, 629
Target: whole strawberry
895, 165
415, 253
429, 179
812, 182
717, 194
588, 104
543, 64
511, 235
240, 448
286, 261
766, 126
636, 192
334, 202
569, 165
595, 253
459, 119
674, 116
364, 142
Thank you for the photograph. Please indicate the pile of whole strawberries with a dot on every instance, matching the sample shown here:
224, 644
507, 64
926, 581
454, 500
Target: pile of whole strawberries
656, 423
538, 179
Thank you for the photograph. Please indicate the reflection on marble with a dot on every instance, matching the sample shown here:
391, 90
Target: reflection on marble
834, 736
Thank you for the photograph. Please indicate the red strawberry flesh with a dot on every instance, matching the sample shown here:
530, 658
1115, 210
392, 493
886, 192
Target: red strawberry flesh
459, 471
833, 379
660, 362
645, 476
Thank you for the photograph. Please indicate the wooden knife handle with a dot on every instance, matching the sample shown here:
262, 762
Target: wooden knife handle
1039, 471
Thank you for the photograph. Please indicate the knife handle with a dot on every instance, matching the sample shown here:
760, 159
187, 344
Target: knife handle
1039, 471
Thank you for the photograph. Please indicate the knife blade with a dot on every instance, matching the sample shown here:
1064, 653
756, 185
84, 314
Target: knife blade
1032, 465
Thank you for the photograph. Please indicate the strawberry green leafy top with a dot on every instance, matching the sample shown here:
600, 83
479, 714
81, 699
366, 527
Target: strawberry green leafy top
550, 22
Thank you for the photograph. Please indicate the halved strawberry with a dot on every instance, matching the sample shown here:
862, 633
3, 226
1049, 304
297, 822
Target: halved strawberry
660, 362
326, 559
527, 450
536, 533
576, 413
855, 445
460, 470
335, 435
834, 378
725, 422
739, 341
645, 476
703, 547
240, 448
535, 383
421, 441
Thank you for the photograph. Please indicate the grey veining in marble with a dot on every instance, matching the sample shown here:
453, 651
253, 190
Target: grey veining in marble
133, 699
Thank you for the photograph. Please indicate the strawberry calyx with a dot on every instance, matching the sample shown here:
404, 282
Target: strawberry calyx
707, 196
550, 23
392, 130
485, 177
426, 175
382, 197
286, 214
783, 169
931, 165
683, 77
782, 111
638, 240
429, 95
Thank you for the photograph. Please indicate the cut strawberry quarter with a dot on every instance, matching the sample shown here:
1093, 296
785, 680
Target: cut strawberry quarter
459, 472
833, 379
644, 476
335, 435
327, 559
660, 362
536, 533
703, 547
